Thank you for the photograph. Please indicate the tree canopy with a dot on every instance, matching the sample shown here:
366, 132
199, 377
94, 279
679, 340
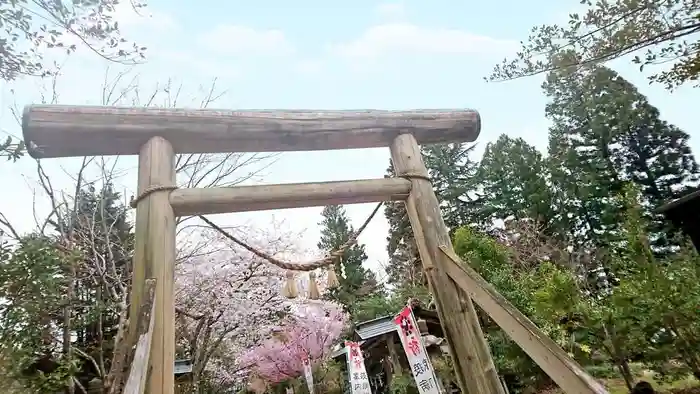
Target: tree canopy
32, 29
656, 32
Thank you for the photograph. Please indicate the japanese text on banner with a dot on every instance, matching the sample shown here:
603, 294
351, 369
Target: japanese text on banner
417, 356
308, 374
359, 382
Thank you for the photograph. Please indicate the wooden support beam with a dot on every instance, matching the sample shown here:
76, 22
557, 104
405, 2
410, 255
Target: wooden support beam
64, 131
154, 257
541, 348
467, 312
138, 371
460, 326
203, 201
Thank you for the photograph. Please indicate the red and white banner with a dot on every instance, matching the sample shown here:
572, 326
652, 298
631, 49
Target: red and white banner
308, 374
421, 367
359, 382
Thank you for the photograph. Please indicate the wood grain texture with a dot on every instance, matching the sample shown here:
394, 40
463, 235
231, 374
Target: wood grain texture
65, 131
154, 257
138, 371
541, 348
204, 201
474, 368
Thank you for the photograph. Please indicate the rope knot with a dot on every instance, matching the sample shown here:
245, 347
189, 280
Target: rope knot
149, 190
412, 175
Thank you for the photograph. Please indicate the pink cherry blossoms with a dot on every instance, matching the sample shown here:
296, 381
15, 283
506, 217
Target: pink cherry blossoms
228, 300
310, 331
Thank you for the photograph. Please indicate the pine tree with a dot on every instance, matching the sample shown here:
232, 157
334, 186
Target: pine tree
404, 267
583, 175
650, 152
604, 134
512, 180
355, 280
452, 172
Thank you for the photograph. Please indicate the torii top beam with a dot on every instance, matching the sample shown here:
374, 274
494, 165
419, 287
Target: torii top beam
66, 131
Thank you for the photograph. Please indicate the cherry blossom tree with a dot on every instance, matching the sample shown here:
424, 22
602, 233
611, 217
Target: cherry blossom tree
227, 300
310, 331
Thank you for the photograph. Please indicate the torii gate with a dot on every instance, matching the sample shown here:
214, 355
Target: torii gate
156, 135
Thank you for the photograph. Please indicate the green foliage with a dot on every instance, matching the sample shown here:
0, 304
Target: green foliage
593, 155
368, 308
582, 172
90, 236
652, 315
11, 149
404, 267
666, 293
380, 305
512, 180
453, 173
603, 371
582, 253
32, 284
356, 281
608, 30
403, 384
29, 29
522, 286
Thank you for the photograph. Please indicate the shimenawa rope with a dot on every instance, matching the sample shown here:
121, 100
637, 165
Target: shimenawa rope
289, 289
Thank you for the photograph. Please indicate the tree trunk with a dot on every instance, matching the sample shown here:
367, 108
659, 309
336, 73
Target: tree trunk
624, 368
67, 313
686, 348
619, 359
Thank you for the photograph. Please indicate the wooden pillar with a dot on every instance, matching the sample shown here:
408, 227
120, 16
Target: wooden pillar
460, 326
154, 257
487, 364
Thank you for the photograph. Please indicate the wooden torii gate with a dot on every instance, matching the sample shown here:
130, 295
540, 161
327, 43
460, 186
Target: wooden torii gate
156, 135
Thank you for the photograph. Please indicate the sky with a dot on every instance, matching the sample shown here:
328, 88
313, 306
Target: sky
312, 54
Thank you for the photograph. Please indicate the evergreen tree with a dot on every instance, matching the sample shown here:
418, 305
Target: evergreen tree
650, 152
512, 180
355, 280
404, 267
452, 172
593, 153
82, 270
583, 175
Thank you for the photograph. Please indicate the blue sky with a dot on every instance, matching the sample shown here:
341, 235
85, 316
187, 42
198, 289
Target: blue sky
324, 55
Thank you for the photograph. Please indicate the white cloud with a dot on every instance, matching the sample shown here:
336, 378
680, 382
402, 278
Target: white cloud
236, 40
406, 38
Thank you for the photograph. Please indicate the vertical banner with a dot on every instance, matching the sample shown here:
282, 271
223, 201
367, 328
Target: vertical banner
421, 367
308, 374
359, 382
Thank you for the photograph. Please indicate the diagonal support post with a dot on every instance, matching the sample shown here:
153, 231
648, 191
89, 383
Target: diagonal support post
540, 347
474, 366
